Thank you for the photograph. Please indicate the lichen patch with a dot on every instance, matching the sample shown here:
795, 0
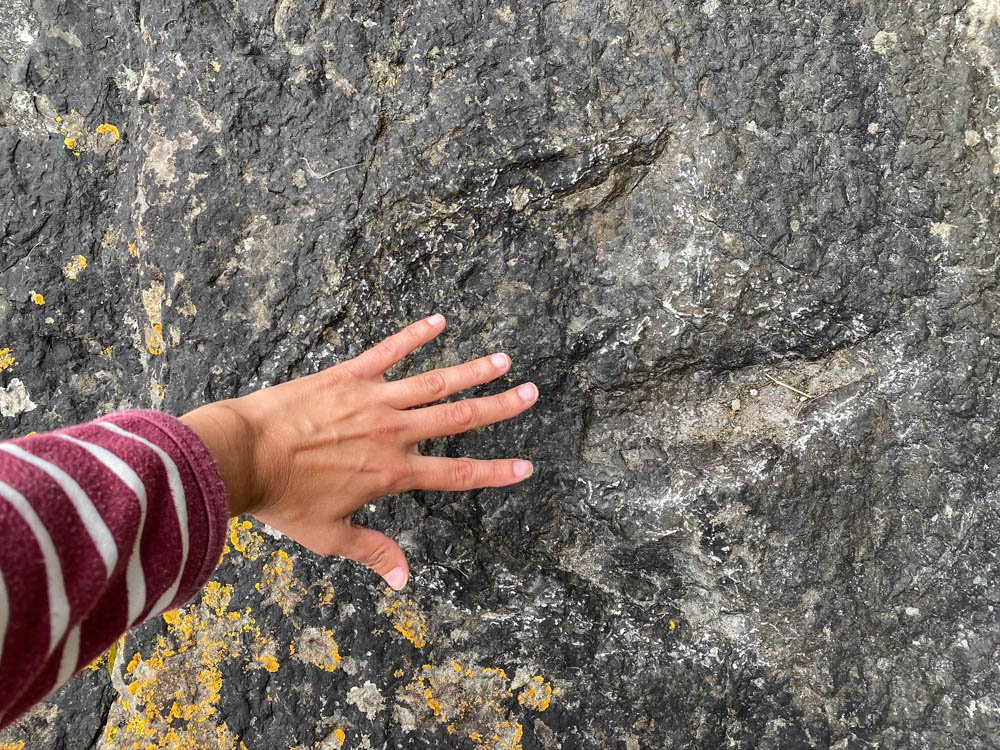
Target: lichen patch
472, 701
14, 399
406, 617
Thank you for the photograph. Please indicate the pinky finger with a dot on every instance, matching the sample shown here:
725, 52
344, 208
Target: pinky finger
456, 474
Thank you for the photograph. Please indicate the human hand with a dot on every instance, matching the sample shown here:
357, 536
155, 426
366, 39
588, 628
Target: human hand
304, 455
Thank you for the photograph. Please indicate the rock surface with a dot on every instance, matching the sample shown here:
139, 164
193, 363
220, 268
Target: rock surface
748, 250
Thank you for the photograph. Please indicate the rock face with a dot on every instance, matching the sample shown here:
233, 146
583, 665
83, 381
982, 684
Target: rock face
748, 250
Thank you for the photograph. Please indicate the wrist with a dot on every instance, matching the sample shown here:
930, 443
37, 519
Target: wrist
227, 436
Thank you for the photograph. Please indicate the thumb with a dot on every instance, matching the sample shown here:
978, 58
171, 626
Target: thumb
378, 552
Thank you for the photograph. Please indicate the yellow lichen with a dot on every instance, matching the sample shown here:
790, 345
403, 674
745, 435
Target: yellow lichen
537, 694
339, 737
279, 583
326, 593
109, 131
171, 696
406, 618
154, 339
317, 647
468, 700
269, 662
74, 267
244, 539
217, 597
19, 745
133, 249
73, 131
7, 359
35, 297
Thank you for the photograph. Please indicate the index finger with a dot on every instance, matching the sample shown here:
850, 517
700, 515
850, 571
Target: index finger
391, 351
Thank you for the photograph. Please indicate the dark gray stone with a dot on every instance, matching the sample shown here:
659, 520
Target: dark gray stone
749, 252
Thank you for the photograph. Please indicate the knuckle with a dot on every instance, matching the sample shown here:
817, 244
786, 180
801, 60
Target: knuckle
478, 370
387, 348
510, 402
434, 384
378, 557
395, 479
463, 472
463, 413
386, 430
341, 376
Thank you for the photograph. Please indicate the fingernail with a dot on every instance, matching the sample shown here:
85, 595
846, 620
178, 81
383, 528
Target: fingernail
436, 320
499, 361
396, 578
522, 469
527, 392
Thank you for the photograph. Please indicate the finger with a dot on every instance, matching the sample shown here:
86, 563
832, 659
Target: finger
397, 347
456, 474
462, 416
377, 551
437, 384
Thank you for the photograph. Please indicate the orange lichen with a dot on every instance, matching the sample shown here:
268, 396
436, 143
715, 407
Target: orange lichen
279, 583
109, 131
317, 647
74, 267
269, 662
326, 593
537, 694
170, 698
154, 339
406, 618
244, 539
74, 133
469, 700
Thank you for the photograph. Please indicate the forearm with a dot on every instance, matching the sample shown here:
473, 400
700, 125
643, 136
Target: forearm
104, 525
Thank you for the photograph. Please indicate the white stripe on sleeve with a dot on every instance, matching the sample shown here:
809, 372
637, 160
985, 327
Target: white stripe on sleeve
180, 505
58, 603
4, 613
70, 656
92, 520
135, 580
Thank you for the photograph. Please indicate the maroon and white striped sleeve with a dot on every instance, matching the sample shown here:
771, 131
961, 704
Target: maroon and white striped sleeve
102, 525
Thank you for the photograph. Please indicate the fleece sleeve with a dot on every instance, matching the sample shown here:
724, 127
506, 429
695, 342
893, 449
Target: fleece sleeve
102, 526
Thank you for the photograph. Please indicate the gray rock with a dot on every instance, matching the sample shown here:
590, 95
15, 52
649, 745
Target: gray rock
660, 211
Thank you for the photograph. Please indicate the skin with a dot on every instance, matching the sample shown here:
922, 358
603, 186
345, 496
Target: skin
304, 455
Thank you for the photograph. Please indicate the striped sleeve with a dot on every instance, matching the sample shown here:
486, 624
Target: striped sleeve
103, 525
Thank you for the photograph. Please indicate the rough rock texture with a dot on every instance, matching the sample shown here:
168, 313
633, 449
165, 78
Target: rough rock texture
748, 250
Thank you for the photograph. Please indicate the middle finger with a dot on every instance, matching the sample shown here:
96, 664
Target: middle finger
461, 416
432, 386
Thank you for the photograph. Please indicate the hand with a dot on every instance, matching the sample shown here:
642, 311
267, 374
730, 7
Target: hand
304, 455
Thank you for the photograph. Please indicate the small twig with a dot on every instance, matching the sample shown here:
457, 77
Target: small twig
319, 176
789, 387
